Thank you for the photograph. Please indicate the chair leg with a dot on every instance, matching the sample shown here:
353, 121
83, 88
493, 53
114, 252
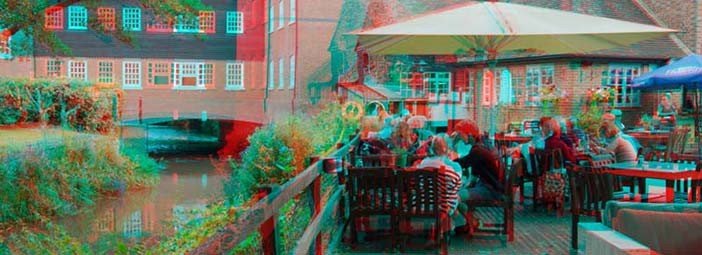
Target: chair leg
354, 231
574, 231
521, 191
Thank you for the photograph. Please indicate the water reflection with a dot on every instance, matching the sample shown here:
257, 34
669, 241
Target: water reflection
186, 187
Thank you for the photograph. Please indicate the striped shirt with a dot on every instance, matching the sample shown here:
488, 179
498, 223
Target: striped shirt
449, 181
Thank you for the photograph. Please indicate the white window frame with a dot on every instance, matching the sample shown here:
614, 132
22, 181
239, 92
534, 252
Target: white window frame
76, 71
53, 18
181, 25
624, 96
191, 69
235, 23
53, 68
281, 14
207, 21
271, 19
292, 72
292, 11
281, 73
77, 17
131, 16
535, 77
137, 76
6, 47
106, 72
271, 75
235, 76
155, 67
437, 82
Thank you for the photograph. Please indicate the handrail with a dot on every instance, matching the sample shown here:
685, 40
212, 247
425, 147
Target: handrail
267, 207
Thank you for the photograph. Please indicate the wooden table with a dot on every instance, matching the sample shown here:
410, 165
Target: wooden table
507, 139
650, 138
670, 172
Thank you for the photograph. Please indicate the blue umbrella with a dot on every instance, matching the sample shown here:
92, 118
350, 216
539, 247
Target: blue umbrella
686, 72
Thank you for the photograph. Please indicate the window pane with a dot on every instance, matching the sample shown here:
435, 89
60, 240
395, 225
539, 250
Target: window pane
77, 17
131, 19
53, 18
106, 17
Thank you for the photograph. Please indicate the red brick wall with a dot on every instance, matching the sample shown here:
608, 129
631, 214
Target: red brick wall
574, 78
17, 68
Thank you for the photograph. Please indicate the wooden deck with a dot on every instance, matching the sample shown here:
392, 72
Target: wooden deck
539, 232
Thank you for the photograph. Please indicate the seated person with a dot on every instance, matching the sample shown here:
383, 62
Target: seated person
460, 139
666, 111
552, 131
483, 164
621, 148
401, 137
452, 173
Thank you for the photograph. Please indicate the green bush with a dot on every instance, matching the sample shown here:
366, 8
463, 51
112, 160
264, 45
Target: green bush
68, 103
57, 177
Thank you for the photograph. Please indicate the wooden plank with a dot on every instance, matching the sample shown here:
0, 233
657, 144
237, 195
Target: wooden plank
303, 245
267, 207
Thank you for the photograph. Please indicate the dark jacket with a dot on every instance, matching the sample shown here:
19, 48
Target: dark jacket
554, 142
484, 164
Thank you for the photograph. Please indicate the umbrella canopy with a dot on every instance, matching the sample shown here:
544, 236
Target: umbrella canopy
496, 27
685, 72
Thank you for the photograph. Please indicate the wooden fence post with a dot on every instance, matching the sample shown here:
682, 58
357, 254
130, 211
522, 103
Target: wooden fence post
316, 190
268, 230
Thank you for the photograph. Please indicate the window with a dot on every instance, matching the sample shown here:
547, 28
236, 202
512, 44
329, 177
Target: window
131, 228
53, 18
620, 78
292, 72
536, 77
105, 73
53, 68
106, 17
281, 14
78, 70
131, 75
292, 11
207, 22
158, 24
235, 76
187, 25
158, 73
271, 19
208, 70
271, 76
77, 17
437, 82
189, 75
281, 73
235, 23
5, 50
131, 19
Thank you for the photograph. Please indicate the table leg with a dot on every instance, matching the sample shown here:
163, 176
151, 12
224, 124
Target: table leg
642, 185
669, 190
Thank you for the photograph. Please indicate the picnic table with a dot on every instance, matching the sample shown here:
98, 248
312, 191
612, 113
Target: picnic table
650, 138
668, 171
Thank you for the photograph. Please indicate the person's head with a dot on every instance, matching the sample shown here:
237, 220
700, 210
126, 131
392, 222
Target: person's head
608, 118
439, 146
467, 131
544, 126
665, 99
609, 130
551, 128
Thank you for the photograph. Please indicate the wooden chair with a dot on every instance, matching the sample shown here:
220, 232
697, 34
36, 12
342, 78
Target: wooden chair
675, 152
548, 161
372, 191
591, 188
506, 202
422, 196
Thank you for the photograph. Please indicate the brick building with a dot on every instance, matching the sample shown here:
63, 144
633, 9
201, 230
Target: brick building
574, 74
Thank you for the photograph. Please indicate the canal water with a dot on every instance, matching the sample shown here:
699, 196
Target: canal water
188, 182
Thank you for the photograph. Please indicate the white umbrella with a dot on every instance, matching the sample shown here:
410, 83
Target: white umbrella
494, 28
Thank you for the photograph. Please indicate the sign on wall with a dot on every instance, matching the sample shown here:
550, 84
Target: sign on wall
489, 97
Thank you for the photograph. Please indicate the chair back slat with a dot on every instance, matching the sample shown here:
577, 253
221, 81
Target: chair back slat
371, 190
676, 143
420, 191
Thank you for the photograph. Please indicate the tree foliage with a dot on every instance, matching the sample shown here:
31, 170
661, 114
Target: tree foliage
28, 16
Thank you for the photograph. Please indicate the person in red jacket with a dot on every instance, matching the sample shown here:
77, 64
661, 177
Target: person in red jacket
552, 131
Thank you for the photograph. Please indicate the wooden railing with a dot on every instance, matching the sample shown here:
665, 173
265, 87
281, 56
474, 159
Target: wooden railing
260, 216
